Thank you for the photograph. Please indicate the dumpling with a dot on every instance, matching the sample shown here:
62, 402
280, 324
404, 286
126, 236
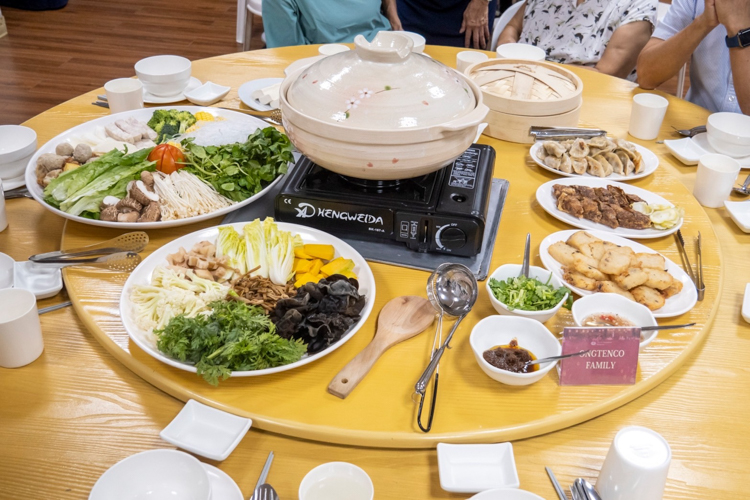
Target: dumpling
552, 162
621, 143
627, 163
599, 141
593, 151
595, 168
605, 165
579, 165
541, 153
579, 149
638, 162
554, 148
614, 160
565, 164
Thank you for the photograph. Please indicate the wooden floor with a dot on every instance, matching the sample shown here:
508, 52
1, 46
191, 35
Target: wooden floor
49, 57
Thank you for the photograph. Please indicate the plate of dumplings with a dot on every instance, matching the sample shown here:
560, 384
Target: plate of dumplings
603, 157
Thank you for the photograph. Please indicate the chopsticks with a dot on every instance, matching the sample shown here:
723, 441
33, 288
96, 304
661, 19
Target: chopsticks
701, 285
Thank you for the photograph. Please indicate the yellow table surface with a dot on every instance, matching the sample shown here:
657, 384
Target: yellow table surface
76, 411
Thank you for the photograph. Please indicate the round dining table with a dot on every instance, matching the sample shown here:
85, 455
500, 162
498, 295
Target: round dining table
84, 405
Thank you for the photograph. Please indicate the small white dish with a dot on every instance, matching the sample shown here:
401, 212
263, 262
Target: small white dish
611, 303
329, 49
246, 90
206, 431
337, 480
14, 183
701, 141
685, 150
493, 331
207, 94
223, 487
522, 51
746, 304
739, 211
301, 63
149, 98
506, 271
43, 281
469, 468
506, 494
154, 474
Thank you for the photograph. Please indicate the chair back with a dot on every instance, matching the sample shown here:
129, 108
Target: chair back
502, 21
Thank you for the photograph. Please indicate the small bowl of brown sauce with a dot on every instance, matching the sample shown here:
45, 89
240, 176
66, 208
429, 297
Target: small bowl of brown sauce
503, 344
602, 310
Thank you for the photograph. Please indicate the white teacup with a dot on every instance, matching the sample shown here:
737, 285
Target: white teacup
3, 216
636, 466
336, 481
466, 58
714, 179
646, 116
124, 94
20, 330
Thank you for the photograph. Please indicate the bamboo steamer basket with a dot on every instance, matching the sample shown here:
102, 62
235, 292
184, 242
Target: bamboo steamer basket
522, 94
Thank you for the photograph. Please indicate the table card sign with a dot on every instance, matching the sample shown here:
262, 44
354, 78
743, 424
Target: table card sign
612, 358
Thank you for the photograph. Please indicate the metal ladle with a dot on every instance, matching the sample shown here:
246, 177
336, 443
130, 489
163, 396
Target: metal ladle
453, 290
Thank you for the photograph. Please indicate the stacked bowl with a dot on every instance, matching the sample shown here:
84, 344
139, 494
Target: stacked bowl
17, 146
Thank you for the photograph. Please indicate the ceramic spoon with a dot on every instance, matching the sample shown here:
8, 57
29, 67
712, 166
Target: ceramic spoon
400, 319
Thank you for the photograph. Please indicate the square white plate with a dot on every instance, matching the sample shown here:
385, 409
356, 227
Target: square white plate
739, 211
470, 468
206, 431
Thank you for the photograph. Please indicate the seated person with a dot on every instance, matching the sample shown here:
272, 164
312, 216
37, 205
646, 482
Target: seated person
603, 35
696, 30
457, 23
302, 22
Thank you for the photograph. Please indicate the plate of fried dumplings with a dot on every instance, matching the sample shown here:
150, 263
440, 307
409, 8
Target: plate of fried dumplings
601, 204
599, 262
603, 157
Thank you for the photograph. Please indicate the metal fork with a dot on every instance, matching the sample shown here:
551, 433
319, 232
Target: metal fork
22, 192
265, 492
690, 132
262, 479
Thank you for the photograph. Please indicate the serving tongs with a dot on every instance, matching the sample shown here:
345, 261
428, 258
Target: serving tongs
272, 116
125, 243
557, 133
688, 266
120, 262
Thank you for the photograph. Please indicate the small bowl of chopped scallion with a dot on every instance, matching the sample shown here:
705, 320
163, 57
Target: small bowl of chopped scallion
537, 297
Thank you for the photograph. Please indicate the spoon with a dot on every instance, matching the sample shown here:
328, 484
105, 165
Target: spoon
526, 257
744, 189
691, 132
456, 291
400, 319
589, 489
555, 358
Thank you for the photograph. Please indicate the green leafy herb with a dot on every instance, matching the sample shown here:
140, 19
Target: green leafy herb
241, 170
529, 294
234, 337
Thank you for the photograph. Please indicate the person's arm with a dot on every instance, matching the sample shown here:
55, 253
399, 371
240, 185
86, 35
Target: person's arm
622, 51
661, 59
512, 31
476, 24
735, 16
391, 12
281, 23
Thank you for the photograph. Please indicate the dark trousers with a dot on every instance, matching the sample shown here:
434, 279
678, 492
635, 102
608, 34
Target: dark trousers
439, 21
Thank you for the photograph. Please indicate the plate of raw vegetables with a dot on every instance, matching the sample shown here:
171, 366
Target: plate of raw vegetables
247, 299
158, 167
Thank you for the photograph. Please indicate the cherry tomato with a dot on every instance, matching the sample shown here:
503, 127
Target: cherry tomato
167, 157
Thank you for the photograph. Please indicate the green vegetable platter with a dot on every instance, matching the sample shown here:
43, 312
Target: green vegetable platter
208, 334
223, 177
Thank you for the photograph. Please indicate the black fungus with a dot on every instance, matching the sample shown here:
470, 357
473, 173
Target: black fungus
321, 313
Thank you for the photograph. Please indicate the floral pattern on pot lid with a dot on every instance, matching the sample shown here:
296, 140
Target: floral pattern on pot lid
381, 85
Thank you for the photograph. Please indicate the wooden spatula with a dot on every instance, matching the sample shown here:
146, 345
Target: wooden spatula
400, 319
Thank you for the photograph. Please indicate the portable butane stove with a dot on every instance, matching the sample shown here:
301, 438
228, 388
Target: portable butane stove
439, 212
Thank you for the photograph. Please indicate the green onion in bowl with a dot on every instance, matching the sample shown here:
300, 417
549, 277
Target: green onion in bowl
529, 294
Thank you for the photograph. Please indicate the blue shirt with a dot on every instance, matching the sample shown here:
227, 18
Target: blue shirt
711, 84
302, 22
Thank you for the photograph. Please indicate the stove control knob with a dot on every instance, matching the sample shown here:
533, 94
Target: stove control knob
452, 238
